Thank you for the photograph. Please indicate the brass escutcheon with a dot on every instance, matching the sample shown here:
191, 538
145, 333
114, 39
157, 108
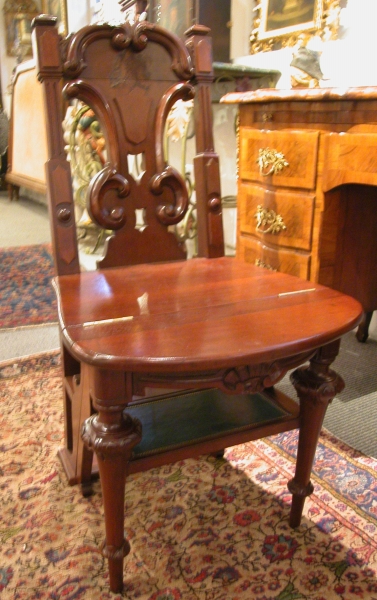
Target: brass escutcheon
266, 117
268, 221
271, 161
260, 263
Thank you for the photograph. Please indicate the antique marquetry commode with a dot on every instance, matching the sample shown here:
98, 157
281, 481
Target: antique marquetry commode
307, 196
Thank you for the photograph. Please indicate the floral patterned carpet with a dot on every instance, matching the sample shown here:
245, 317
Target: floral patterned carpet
26, 294
199, 530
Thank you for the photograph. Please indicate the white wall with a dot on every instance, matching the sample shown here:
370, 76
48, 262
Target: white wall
79, 13
242, 20
351, 61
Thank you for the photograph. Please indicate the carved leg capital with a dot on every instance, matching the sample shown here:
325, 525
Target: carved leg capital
314, 388
109, 440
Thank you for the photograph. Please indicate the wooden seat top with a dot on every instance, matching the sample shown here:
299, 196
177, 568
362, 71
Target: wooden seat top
208, 311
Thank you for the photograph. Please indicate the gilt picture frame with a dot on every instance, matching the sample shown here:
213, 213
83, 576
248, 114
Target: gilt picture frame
174, 15
18, 16
57, 8
282, 23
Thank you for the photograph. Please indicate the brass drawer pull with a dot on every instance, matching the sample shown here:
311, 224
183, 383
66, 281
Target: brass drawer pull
266, 117
268, 221
260, 263
270, 161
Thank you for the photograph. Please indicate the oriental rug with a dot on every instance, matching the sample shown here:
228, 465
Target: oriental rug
26, 294
199, 529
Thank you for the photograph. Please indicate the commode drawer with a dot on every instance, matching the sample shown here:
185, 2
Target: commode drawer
277, 217
253, 251
349, 158
281, 158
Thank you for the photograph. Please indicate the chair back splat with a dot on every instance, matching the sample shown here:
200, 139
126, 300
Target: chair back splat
131, 76
165, 358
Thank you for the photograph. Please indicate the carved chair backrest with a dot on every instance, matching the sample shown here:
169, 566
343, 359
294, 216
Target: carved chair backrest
131, 76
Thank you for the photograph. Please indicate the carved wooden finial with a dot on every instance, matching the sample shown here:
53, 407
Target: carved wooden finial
48, 20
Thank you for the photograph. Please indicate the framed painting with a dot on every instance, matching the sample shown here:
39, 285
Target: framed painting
18, 15
174, 15
57, 8
281, 23
179, 15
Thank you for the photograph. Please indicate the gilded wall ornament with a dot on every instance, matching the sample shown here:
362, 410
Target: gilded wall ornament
284, 23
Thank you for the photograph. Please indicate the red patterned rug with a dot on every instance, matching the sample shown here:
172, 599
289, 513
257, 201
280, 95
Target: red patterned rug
26, 294
199, 529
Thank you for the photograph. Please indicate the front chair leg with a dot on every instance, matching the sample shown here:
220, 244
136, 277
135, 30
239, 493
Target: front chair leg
112, 434
316, 386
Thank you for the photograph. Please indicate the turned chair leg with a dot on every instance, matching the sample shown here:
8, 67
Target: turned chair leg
112, 434
316, 386
86, 471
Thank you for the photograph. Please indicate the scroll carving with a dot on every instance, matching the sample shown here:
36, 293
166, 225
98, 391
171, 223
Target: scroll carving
252, 379
93, 98
122, 36
108, 179
171, 214
236, 380
167, 176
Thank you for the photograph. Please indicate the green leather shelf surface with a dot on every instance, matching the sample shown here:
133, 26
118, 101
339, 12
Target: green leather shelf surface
197, 416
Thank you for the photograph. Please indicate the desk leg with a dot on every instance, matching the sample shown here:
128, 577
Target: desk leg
363, 329
316, 386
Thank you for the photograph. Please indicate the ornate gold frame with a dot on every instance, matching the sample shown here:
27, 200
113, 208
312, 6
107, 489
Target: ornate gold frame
18, 15
57, 8
307, 19
174, 15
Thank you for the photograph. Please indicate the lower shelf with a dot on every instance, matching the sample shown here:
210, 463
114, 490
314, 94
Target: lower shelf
194, 417
191, 423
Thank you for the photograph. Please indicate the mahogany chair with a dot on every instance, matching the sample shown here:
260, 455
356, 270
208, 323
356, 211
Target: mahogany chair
221, 331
